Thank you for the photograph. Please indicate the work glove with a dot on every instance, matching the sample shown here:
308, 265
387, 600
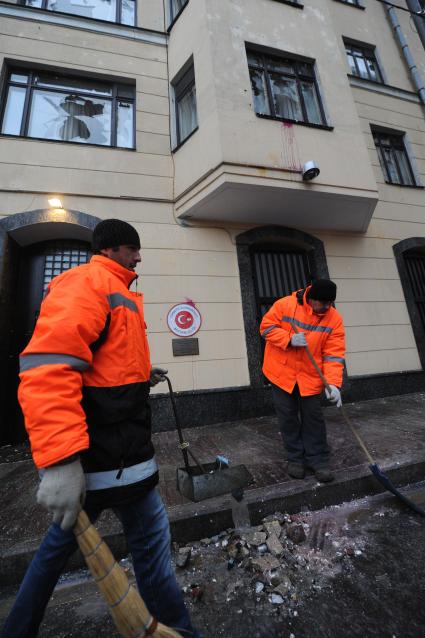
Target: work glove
157, 375
62, 491
298, 340
334, 395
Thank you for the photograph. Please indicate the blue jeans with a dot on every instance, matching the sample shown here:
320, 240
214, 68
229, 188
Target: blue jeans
146, 528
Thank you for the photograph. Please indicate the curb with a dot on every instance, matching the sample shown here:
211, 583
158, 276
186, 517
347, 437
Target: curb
194, 521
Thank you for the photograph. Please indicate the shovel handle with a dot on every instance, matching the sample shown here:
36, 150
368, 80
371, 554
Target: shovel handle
184, 446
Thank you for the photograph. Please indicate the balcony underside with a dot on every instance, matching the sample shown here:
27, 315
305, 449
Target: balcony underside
268, 196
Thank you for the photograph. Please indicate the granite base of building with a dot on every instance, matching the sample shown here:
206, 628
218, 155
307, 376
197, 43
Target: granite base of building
233, 404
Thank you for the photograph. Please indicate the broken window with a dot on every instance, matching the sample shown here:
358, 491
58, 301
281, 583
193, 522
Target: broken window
285, 88
393, 158
362, 61
121, 11
69, 109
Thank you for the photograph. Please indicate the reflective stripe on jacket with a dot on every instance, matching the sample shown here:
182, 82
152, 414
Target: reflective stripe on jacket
74, 398
285, 365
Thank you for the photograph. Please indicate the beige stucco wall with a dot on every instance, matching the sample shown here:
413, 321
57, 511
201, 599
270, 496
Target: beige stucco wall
200, 262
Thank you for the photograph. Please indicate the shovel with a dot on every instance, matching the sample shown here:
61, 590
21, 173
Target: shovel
373, 466
205, 480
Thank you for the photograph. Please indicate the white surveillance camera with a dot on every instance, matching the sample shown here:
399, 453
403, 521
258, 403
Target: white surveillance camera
310, 170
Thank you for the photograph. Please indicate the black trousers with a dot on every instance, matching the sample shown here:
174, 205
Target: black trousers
302, 426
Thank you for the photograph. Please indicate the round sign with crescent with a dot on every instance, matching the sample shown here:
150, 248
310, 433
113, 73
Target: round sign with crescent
184, 320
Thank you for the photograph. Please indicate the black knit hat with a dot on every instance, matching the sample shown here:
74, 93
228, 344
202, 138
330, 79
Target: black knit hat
323, 290
114, 232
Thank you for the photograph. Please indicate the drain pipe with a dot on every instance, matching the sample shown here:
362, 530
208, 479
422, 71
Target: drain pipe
418, 14
414, 72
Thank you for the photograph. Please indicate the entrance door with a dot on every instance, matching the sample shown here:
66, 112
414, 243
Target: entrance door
38, 265
277, 273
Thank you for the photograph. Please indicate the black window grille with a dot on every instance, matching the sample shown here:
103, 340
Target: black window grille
415, 266
121, 11
285, 88
393, 158
176, 6
277, 274
61, 256
48, 106
185, 101
362, 61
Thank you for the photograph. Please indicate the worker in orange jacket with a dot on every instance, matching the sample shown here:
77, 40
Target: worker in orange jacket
296, 386
84, 391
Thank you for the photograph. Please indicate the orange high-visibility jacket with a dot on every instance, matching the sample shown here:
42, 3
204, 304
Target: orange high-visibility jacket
285, 365
67, 384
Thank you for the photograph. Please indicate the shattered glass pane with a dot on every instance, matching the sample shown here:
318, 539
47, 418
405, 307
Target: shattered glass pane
259, 93
125, 124
12, 118
286, 98
73, 118
98, 9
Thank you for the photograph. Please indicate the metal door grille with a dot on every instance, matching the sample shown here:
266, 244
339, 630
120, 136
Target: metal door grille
415, 266
61, 256
277, 274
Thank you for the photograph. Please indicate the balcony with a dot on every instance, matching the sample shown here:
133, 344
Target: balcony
247, 194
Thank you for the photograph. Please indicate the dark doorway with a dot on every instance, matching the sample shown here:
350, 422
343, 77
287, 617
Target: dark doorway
35, 268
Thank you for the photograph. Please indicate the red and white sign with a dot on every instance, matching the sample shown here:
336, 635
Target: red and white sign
184, 319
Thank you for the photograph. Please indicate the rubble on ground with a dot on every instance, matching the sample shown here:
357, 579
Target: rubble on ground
277, 564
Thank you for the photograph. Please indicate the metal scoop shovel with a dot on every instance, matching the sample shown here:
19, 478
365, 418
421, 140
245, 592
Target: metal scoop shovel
205, 480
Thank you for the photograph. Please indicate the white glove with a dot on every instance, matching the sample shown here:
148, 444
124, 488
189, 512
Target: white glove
334, 396
157, 375
298, 340
62, 491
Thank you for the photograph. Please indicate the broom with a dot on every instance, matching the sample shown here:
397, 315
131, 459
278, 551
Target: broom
127, 608
373, 466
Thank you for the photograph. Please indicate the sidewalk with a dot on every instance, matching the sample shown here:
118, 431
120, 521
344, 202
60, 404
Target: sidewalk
393, 428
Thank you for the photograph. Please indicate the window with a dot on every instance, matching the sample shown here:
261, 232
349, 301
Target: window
185, 100
176, 6
393, 158
121, 11
362, 62
285, 88
52, 107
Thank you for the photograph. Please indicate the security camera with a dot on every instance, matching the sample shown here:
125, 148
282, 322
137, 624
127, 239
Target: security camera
310, 170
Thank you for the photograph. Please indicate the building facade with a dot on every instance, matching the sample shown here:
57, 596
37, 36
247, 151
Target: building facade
254, 144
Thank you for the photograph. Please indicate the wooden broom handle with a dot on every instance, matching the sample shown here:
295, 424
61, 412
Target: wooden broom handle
345, 415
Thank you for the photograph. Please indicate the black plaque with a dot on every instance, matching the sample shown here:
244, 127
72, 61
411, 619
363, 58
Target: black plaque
184, 347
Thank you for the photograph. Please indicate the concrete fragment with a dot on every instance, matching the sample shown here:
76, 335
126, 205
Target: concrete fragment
274, 545
296, 533
273, 527
255, 538
264, 563
183, 556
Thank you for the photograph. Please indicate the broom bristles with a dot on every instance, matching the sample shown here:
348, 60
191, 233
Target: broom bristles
127, 608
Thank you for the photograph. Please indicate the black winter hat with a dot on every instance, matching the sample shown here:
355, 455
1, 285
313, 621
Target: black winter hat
323, 290
114, 232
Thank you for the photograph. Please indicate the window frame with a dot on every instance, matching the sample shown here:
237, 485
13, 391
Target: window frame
399, 138
369, 52
174, 15
118, 12
182, 85
297, 76
33, 71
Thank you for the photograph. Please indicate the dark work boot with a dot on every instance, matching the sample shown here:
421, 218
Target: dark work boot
296, 470
323, 474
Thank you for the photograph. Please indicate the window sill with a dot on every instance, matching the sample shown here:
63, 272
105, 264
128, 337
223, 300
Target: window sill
176, 17
42, 139
373, 82
349, 4
324, 127
292, 3
180, 144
